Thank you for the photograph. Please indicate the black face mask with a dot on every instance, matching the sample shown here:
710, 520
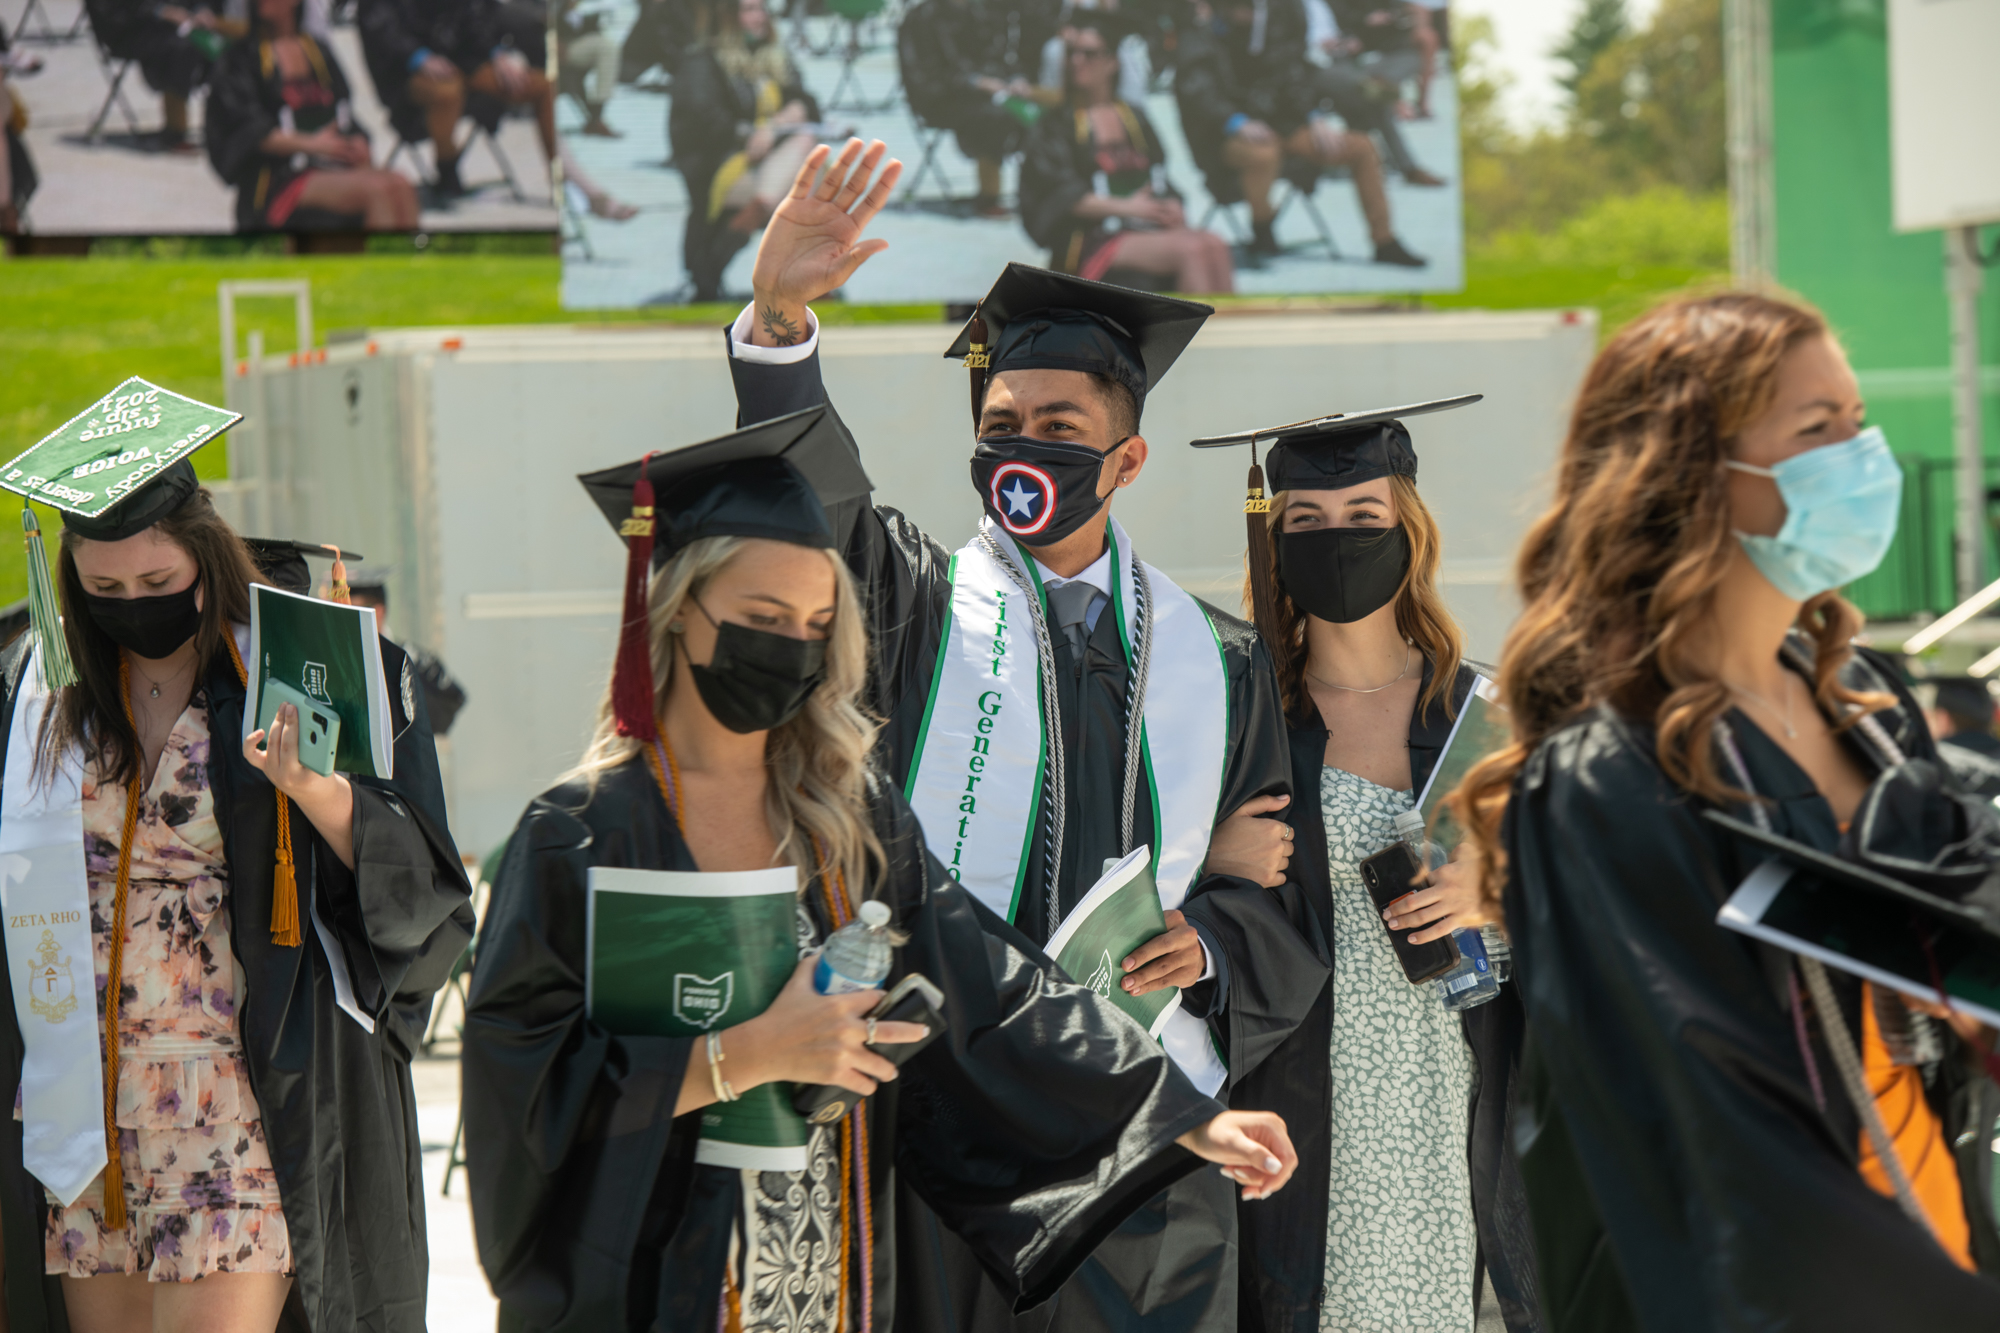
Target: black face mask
756, 680
1343, 575
1037, 491
148, 627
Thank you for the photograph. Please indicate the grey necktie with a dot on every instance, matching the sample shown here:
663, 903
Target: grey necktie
1069, 610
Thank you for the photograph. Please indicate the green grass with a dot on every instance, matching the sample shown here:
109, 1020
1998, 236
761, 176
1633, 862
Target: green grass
72, 328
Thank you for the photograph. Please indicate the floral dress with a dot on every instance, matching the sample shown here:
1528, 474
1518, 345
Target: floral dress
1401, 1242
201, 1195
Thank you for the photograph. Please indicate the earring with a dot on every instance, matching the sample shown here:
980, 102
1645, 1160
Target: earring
676, 627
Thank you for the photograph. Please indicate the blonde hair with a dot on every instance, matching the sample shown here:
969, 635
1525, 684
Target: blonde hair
1421, 615
817, 796
1618, 579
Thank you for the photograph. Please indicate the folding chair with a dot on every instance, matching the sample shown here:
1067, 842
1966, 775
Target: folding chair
429, 177
48, 34
932, 139
854, 13
1296, 182
574, 228
115, 69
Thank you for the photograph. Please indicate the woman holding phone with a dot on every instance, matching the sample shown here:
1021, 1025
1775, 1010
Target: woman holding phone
731, 740
1398, 1106
1711, 1124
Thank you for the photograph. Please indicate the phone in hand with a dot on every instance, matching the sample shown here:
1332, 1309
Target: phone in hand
914, 999
1389, 874
319, 726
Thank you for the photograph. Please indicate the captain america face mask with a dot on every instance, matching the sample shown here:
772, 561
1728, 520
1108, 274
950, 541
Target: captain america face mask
1038, 492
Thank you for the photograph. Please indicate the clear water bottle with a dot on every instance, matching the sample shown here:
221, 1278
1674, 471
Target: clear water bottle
1409, 828
1472, 982
1498, 952
856, 956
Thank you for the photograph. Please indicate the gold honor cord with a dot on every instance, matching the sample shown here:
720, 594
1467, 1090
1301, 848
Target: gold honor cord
114, 983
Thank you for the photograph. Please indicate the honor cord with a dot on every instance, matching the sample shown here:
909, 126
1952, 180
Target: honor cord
114, 982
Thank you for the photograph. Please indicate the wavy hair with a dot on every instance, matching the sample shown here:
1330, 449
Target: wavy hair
1619, 577
91, 713
817, 795
1421, 615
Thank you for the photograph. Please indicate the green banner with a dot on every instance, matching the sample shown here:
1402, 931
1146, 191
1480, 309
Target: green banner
1120, 913
682, 954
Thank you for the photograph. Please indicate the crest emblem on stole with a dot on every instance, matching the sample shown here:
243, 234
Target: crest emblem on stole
700, 1001
51, 987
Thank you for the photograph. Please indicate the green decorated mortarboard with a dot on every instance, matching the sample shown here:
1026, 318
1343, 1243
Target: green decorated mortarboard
119, 466
113, 470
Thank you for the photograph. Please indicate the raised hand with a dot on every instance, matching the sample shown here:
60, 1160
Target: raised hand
812, 244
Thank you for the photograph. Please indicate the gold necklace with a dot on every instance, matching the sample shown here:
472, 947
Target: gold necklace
157, 683
1409, 651
1784, 718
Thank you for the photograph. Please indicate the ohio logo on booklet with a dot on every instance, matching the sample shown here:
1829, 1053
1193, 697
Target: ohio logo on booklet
699, 1001
1103, 978
1024, 497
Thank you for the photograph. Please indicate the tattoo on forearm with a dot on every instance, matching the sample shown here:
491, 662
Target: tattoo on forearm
779, 328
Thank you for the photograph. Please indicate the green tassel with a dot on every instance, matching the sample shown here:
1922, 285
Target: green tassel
43, 617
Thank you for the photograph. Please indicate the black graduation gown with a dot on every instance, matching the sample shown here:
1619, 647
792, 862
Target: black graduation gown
337, 1105
1680, 1173
1269, 968
1284, 1282
1038, 1121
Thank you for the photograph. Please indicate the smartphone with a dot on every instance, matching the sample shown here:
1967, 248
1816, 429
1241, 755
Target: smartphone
914, 999
1390, 874
319, 726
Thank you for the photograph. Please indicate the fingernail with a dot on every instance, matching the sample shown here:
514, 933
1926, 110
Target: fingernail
926, 1030
1273, 1164
1128, 965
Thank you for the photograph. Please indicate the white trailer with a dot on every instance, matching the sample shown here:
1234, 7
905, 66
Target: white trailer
449, 456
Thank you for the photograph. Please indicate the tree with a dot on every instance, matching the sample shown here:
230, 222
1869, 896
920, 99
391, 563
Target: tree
1654, 101
1601, 25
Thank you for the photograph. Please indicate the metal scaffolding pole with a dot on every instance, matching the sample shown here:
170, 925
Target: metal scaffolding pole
1753, 242
1964, 278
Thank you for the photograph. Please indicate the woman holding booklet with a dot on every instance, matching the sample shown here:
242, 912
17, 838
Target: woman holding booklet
210, 1141
1398, 1106
608, 1192
1711, 1124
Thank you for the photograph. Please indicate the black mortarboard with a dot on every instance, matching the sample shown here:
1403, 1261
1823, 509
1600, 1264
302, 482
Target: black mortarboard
1965, 697
774, 480
283, 561
1322, 454
1037, 319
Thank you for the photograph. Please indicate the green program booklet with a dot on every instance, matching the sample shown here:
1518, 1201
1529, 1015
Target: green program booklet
1120, 913
675, 953
1480, 729
331, 654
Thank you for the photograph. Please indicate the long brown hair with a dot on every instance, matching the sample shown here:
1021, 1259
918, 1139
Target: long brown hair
92, 711
1421, 615
1619, 576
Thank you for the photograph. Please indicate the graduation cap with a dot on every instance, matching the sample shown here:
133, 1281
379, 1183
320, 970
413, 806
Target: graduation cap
1320, 454
283, 561
113, 470
774, 480
1037, 319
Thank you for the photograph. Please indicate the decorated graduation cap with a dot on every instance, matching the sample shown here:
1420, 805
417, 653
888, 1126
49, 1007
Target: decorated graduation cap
113, 470
776, 480
1037, 319
1323, 454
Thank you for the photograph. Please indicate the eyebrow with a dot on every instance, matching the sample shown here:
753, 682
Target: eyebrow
1364, 500
114, 578
779, 601
1818, 404
1061, 405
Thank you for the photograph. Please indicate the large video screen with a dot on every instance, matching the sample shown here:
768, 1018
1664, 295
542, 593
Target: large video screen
225, 116
1249, 146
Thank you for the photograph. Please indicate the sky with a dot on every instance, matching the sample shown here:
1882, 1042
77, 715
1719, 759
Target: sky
1527, 30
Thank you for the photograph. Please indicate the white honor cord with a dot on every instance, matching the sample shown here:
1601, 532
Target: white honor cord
1839, 1039
1135, 697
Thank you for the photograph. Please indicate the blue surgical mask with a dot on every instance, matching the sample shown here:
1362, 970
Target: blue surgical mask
1841, 503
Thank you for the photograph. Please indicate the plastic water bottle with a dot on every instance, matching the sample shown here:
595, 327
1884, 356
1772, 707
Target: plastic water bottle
1498, 952
1472, 982
856, 956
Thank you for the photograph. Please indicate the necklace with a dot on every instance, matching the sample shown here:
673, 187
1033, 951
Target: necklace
1409, 651
157, 683
1784, 718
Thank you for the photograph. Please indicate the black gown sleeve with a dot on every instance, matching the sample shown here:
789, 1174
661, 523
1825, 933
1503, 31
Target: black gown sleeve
236, 121
1043, 1117
1271, 967
566, 1125
1728, 1200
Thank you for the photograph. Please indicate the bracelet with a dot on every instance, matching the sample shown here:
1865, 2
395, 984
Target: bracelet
723, 1092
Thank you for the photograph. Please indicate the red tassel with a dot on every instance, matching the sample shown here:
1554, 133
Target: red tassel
632, 677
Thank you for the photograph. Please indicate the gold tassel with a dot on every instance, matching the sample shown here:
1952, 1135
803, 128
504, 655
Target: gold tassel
284, 881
